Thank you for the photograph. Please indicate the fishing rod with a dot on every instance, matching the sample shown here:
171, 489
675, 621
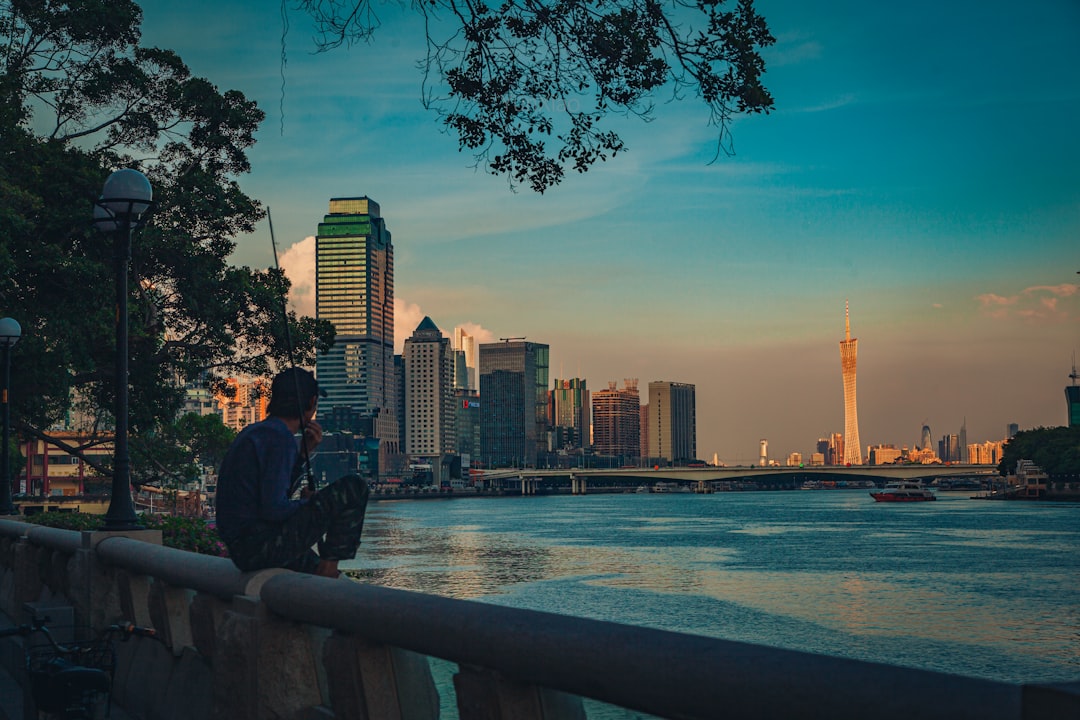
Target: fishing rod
306, 474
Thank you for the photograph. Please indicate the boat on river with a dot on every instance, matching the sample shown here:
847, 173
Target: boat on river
903, 491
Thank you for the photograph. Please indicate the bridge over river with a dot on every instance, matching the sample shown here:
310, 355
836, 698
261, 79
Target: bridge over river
708, 479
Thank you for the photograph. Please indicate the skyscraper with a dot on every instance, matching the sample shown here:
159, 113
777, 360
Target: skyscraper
354, 289
430, 430
672, 421
513, 402
617, 420
1072, 399
849, 348
466, 344
570, 413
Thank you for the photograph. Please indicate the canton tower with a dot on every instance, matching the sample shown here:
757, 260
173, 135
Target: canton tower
849, 348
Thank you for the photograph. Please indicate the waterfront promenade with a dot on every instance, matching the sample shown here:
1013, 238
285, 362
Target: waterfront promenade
277, 644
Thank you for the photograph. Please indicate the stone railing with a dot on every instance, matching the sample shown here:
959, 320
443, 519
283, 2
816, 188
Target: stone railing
277, 644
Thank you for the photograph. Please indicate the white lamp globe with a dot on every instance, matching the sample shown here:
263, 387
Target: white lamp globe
125, 186
10, 331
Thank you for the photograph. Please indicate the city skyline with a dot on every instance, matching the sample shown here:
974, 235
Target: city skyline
934, 187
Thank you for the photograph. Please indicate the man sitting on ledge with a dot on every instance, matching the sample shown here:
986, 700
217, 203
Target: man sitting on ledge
261, 524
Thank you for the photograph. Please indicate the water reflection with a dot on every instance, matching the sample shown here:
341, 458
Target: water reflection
989, 592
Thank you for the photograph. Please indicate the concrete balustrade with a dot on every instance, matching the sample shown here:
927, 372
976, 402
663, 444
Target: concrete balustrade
277, 644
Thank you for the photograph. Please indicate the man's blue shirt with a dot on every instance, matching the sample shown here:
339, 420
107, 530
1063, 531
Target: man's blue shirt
255, 476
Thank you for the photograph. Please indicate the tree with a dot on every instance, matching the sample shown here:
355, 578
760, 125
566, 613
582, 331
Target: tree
80, 97
174, 452
507, 80
1056, 450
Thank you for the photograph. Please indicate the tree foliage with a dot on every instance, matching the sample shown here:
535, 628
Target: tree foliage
79, 98
1056, 450
527, 84
172, 454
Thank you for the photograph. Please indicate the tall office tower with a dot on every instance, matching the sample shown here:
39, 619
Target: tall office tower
570, 417
467, 421
466, 343
822, 449
672, 421
949, 448
925, 442
763, 456
617, 420
513, 402
849, 348
1072, 399
836, 449
644, 424
429, 394
1011, 429
354, 289
963, 443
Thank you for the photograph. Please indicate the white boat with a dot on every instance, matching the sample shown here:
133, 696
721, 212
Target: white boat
670, 487
903, 491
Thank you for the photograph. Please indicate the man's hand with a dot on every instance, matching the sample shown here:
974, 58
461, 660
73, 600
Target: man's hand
312, 436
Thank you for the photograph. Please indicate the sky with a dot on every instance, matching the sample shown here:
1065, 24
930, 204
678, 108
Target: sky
921, 163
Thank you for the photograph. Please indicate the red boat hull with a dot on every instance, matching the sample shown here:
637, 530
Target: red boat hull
891, 497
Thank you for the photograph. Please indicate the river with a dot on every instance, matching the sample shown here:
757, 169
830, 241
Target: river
980, 588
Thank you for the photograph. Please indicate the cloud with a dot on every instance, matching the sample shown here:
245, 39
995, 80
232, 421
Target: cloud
1062, 290
482, 334
825, 106
298, 262
1035, 303
407, 316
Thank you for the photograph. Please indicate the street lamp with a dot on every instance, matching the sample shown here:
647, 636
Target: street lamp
10, 332
126, 196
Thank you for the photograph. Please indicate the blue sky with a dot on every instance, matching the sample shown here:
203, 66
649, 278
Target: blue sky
921, 162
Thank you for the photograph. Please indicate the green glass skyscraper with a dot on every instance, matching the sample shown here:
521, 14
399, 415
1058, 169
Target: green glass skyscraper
354, 289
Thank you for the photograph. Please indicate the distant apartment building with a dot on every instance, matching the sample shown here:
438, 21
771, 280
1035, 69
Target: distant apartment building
672, 421
817, 459
794, 460
430, 431
570, 408
199, 400
617, 420
882, 454
354, 290
987, 453
513, 402
243, 403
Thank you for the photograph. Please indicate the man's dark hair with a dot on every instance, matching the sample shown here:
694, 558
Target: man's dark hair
291, 393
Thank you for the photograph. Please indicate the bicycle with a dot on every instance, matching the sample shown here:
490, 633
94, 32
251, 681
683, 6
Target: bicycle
73, 681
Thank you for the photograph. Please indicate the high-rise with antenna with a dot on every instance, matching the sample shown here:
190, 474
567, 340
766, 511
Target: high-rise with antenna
849, 348
1072, 397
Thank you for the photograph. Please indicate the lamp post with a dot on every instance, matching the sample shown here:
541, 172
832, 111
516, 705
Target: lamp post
126, 196
10, 332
